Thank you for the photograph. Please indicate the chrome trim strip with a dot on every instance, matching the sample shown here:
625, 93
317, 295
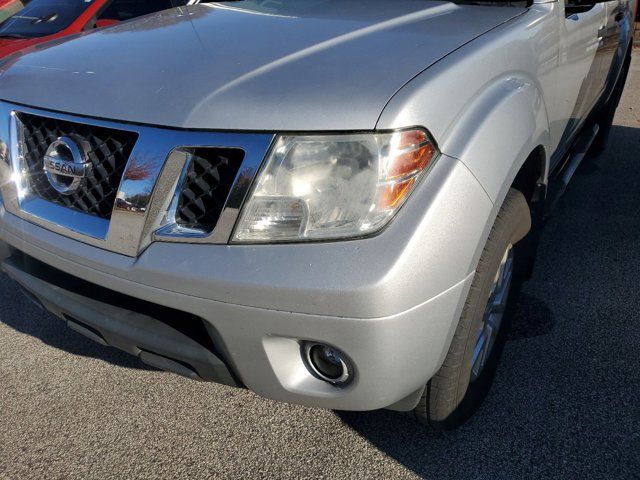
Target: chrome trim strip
254, 153
149, 183
77, 222
170, 227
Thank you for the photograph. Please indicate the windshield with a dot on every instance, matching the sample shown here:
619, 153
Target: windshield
43, 17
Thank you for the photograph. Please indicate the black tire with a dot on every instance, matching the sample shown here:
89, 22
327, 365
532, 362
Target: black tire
449, 398
606, 117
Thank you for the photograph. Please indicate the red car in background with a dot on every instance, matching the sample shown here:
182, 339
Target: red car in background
26, 23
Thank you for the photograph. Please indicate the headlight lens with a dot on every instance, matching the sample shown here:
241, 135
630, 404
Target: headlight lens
320, 187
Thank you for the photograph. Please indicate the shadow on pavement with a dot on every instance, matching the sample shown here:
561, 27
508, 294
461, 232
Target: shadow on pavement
22, 315
565, 398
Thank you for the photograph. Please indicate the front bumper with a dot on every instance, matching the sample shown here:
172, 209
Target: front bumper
391, 302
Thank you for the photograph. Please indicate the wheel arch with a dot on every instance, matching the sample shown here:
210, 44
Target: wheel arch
504, 136
531, 175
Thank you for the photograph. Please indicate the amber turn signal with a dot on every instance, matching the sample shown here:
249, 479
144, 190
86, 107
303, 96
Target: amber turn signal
411, 153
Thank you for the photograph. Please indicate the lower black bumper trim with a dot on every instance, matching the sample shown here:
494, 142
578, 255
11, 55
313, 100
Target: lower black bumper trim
160, 336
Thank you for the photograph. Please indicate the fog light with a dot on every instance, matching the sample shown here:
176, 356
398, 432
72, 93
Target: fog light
328, 363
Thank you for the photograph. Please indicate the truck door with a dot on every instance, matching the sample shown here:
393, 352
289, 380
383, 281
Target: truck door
616, 36
581, 62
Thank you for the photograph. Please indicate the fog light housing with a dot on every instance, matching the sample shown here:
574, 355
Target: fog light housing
327, 363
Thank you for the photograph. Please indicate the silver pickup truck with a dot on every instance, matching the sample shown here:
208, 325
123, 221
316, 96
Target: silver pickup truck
331, 203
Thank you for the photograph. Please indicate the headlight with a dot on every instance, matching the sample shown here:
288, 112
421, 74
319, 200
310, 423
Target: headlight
320, 187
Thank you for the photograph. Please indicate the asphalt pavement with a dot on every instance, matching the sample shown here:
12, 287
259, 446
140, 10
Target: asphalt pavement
565, 403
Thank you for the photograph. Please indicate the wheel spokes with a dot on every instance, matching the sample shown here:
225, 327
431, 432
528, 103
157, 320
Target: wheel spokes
493, 314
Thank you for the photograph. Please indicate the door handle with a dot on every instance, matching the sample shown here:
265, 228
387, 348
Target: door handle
602, 33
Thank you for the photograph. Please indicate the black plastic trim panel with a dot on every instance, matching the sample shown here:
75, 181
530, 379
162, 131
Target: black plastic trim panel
161, 336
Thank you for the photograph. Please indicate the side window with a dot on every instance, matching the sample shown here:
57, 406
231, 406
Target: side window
119, 10
573, 7
145, 7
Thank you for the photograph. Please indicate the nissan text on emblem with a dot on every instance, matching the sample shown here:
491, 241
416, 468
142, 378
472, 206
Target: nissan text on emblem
66, 165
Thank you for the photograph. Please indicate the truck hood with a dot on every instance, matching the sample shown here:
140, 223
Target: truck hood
307, 65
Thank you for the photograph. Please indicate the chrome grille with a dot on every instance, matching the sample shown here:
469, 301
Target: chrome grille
149, 170
109, 150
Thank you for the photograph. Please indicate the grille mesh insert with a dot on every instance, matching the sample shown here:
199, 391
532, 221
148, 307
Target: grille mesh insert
209, 178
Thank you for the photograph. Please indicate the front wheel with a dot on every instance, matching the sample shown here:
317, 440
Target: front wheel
459, 387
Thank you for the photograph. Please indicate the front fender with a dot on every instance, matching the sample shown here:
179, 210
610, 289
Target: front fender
498, 132
493, 132
485, 103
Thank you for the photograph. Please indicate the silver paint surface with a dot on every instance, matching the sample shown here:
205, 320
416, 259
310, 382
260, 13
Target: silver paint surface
490, 83
226, 67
